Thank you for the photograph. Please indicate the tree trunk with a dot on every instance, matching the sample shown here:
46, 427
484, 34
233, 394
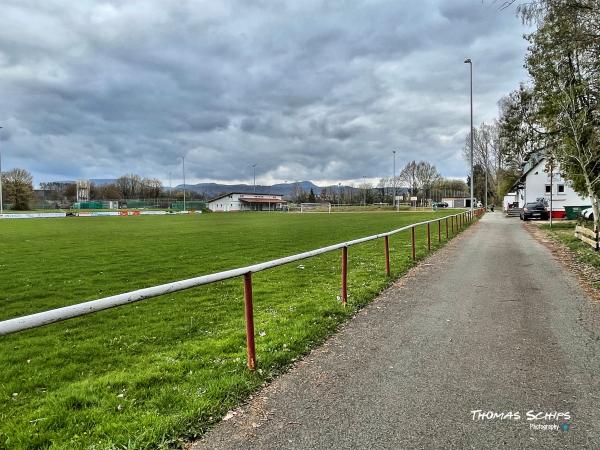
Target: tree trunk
594, 198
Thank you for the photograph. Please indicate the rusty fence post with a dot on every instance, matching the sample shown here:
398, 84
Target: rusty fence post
428, 237
452, 224
386, 243
344, 275
446, 228
249, 313
414, 253
439, 231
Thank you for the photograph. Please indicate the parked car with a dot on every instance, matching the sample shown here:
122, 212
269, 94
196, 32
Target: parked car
440, 204
534, 211
588, 214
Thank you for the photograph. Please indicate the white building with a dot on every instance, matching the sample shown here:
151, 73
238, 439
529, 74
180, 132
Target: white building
458, 202
535, 185
241, 201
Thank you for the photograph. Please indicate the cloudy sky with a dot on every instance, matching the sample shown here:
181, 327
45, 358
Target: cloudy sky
318, 90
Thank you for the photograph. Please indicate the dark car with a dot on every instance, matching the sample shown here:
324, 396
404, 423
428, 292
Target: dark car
440, 204
534, 211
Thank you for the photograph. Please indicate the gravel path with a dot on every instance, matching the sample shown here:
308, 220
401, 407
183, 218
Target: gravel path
491, 322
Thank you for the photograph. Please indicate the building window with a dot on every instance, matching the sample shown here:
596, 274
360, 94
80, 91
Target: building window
548, 189
561, 188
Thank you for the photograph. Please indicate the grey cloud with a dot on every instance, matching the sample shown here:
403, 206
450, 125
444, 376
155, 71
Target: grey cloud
316, 89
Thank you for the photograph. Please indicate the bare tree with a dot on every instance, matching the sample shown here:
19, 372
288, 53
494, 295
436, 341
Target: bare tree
130, 185
426, 176
18, 186
408, 177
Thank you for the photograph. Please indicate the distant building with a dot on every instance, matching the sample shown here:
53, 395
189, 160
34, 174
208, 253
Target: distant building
535, 186
83, 190
458, 202
241, 201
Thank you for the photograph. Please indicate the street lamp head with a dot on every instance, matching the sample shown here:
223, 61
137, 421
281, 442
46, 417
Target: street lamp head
468, 61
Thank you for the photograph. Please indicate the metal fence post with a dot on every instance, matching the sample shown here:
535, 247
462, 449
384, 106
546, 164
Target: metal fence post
249, 313
439, 231
452, 224
344, 275
414, 253
446, 228
428, 237
386, 242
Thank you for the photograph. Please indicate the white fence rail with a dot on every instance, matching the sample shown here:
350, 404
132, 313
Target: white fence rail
81, 309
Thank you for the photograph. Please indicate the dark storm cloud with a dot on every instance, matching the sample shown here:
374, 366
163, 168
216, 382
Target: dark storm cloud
320, 90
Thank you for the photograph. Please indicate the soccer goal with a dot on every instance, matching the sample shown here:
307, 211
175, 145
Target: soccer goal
315, 207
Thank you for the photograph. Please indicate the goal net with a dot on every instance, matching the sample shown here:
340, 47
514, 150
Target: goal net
315, 207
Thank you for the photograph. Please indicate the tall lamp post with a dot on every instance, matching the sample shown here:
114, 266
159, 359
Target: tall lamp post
470, 63
254, 176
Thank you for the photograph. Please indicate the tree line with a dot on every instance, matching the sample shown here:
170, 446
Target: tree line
18, 191
419, 179
556, 112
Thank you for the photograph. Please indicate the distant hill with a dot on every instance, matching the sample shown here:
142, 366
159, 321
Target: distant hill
102, 181
286, 189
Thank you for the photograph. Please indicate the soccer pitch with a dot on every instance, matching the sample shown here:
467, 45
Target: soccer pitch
158, 372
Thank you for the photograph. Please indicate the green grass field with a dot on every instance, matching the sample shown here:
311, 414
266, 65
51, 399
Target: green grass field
159, 372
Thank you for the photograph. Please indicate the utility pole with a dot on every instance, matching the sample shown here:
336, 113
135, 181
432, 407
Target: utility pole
254, 176
470, 63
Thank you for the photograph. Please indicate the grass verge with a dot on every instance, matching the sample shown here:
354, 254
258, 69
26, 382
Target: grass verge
582, 252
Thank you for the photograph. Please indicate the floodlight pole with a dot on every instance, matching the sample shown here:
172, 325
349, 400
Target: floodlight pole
170, 188
470, 63
183, 169
254, 176
365, 189
394, 179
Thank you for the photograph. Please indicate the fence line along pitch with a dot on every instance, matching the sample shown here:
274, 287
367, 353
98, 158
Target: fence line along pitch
81, 309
